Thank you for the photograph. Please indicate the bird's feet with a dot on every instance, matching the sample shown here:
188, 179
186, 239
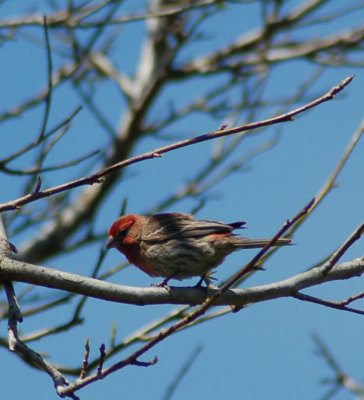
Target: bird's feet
163, 284
207, 280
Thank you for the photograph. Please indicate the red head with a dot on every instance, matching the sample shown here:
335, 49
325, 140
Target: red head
119, 229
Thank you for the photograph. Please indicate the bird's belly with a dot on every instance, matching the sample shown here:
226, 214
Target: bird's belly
180, 259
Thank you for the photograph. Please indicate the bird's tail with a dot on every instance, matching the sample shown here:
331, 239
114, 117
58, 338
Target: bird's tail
245, 243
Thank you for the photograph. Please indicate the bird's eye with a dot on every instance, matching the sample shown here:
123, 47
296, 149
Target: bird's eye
121, 234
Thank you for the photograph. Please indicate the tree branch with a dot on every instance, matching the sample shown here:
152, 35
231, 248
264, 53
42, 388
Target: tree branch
15, 344
156, 153
52, 278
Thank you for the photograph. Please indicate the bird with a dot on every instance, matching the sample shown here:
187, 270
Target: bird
177, 245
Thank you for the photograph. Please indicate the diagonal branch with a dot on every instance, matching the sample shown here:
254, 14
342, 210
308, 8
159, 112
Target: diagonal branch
344, 247
97, 177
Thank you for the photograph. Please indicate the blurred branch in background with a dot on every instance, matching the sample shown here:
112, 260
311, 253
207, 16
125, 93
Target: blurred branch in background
341, 380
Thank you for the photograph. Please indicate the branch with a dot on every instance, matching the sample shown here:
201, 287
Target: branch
65, 19
340, 379
337, 305
97, 177
163, 334
344, 247
15, 344
331, 183
239, 298
52, 278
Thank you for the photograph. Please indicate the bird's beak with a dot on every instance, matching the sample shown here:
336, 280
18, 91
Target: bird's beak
111, 242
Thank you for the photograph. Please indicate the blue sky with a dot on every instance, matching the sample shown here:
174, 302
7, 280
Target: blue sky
265, 351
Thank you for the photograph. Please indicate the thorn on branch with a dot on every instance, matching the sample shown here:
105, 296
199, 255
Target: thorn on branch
223, 127
157, 155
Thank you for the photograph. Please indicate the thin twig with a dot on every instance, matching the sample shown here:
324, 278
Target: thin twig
343, 248
341, 379
330, 183
97, 177
326, 303
50, 86
38, 170
75, 21
251, 266
352, 299
35, 143
15, 344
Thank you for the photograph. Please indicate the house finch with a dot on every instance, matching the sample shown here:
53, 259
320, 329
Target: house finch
176, 245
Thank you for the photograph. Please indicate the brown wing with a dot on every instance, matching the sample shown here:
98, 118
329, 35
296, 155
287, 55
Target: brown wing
173, 225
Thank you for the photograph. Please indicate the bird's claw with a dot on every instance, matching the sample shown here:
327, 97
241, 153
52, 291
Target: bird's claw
207, 280
163, 284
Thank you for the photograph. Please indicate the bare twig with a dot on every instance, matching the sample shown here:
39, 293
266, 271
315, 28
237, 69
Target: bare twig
15, 344
14, 312
327, 303
97, 177
341, 379
50, 86
352, 298
35, 143
38, 169
75, 21
331, 181
348, 151
343, 248
254, 263
327, 267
